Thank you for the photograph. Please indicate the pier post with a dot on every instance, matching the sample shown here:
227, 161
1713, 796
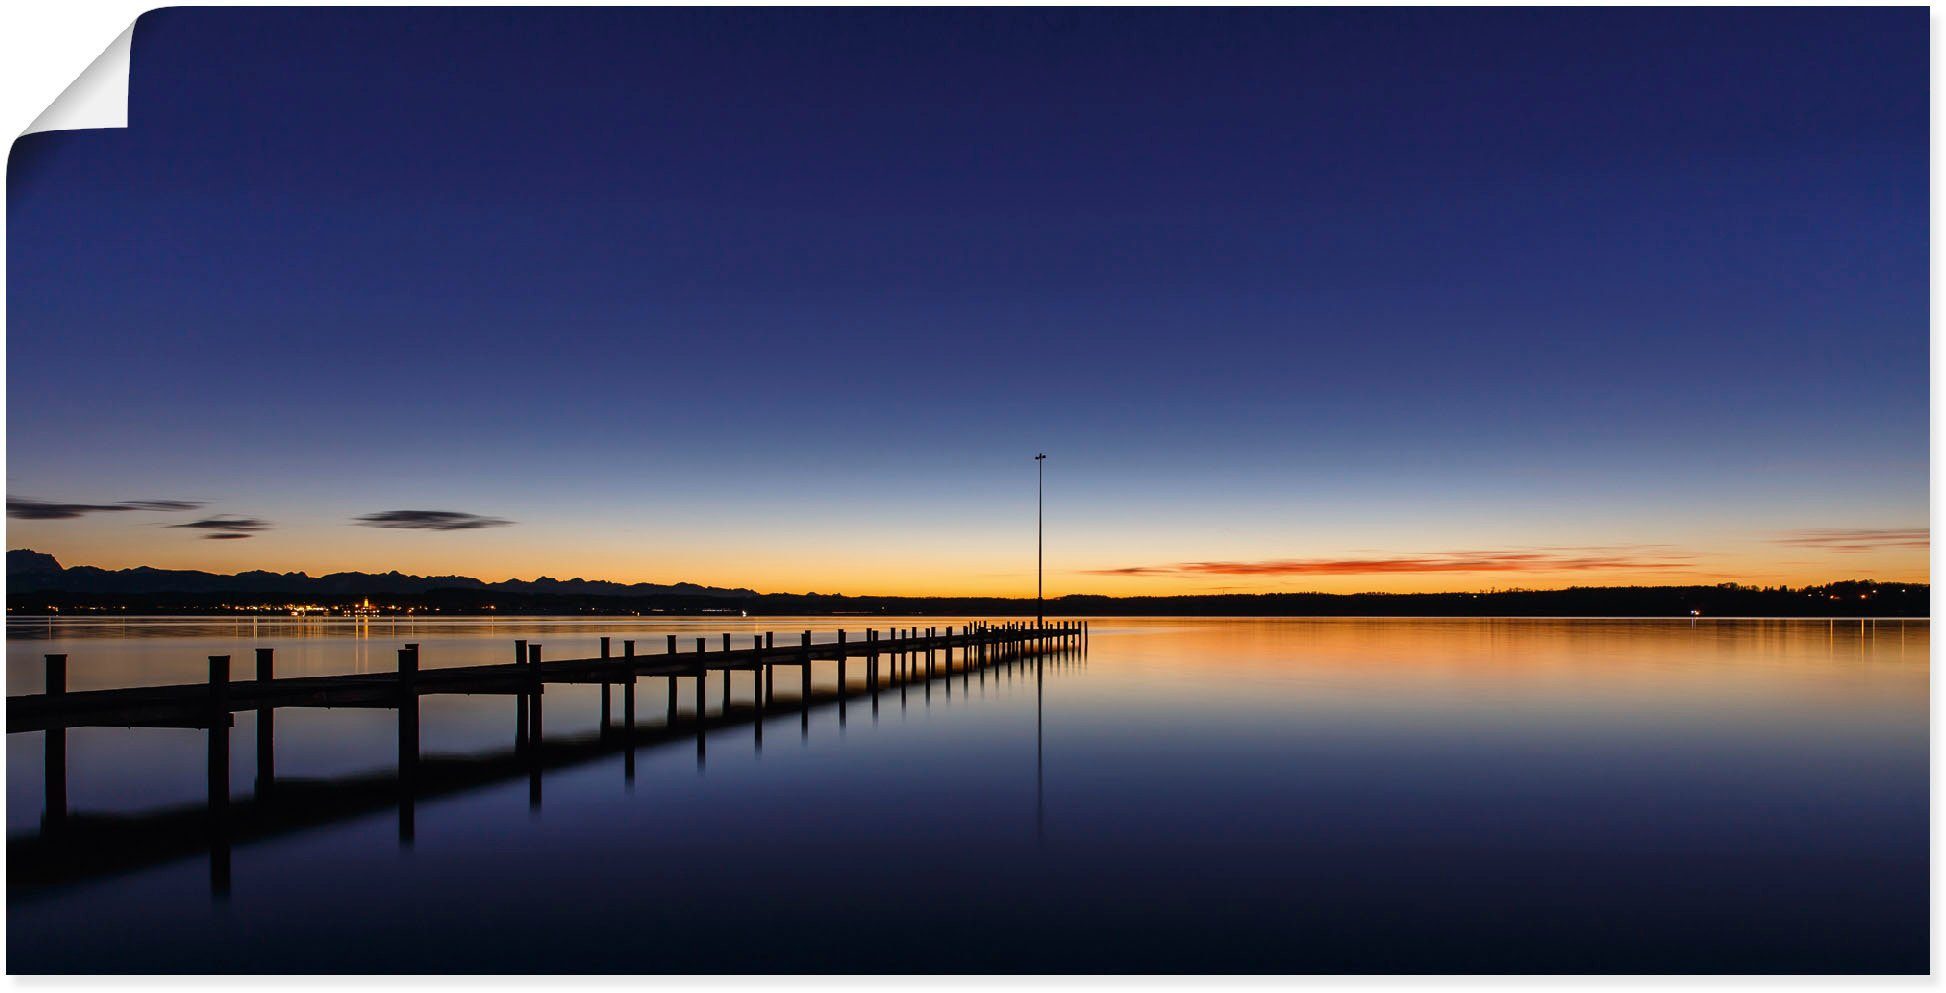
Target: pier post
758, 670
770, 671
54, 764
628, 685
702, 674
534, 733
843, 652
607, 717
520, 700
726, 675
671, 720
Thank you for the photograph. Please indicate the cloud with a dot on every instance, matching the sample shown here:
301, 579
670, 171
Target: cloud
20, 508
1519, 560
226, 523
1857, 539
227, 535
430, 520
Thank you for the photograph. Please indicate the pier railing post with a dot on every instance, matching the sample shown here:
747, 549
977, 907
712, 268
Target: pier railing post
520, 699
759, 673
670, 721
535, 733
702, 674
628, 686
606, 715
804, 690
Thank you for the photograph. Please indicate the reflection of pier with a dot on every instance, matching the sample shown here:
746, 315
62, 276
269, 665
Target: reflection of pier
74, 846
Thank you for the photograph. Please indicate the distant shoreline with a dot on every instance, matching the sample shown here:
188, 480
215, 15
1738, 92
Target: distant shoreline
1849, 599
601, 618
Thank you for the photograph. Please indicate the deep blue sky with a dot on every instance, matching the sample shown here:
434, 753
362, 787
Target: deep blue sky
787, 298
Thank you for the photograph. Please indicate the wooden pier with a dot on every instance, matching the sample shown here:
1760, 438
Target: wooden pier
81, 846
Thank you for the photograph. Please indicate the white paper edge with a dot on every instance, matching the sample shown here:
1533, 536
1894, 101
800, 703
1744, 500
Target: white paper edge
98, 98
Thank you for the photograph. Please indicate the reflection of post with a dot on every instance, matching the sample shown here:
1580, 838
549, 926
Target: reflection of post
1040, 794
219, 775
55, 764
408, 738
534, 727
628, 709
266, 725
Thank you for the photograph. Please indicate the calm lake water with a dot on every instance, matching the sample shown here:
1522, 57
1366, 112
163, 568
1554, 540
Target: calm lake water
1287, 795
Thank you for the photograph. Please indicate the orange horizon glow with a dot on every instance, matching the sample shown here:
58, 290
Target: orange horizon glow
877, 568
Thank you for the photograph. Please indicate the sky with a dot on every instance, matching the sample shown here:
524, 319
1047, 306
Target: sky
788, 299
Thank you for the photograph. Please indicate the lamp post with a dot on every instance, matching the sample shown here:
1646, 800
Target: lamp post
1040, 542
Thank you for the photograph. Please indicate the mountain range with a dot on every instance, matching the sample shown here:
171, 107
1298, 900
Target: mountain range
37, 572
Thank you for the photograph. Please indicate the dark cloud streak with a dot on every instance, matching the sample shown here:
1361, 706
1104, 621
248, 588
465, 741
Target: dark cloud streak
430, 520
23, 509
226, 523
1857, 539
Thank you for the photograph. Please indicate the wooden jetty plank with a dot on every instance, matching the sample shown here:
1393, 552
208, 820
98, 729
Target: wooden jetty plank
199, 704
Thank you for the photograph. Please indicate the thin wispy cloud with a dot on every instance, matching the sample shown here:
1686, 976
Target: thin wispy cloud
430, 520
227, 535
1632, 558
1857, 539
23, 509
226, 526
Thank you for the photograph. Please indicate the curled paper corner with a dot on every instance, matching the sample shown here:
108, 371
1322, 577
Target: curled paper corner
98, 98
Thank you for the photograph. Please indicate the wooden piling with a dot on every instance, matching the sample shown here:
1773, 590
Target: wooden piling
702, 673
606, 716
804, 692
628, 686
671, 720
535, 732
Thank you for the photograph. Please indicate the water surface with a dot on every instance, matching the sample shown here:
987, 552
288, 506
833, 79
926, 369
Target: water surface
1291, 795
